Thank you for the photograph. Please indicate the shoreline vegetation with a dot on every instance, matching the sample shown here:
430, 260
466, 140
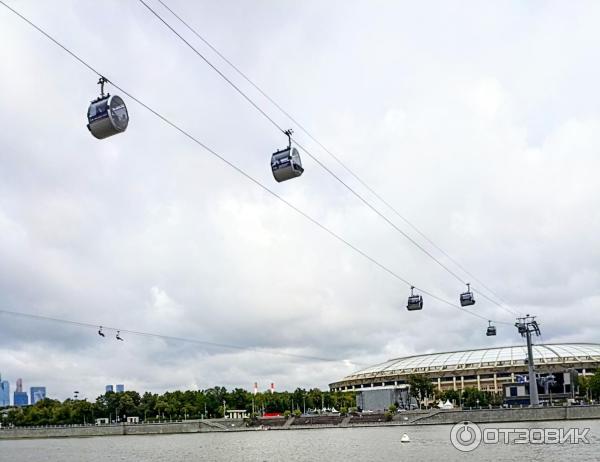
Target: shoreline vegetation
213, 402
176, 405
199, 411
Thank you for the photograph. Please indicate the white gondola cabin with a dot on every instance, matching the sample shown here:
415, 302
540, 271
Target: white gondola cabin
286, 163
107, 115
491, 330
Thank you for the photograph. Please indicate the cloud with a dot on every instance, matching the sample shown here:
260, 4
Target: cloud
478, 124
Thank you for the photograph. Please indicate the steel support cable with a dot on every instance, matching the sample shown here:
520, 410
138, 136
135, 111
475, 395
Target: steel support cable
318, 161
282, 130
500, 305
338, 160
167, 337
242, 172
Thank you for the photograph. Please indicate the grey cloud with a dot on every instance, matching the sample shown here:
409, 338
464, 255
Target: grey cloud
478, 123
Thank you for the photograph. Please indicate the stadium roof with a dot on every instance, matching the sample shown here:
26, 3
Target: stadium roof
468, 359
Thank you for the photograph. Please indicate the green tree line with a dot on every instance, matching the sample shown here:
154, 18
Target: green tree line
173, 405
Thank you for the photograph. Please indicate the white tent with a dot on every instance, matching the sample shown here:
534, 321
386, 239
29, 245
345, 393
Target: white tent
446, 405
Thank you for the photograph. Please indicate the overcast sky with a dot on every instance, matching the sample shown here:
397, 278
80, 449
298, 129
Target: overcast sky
478, 121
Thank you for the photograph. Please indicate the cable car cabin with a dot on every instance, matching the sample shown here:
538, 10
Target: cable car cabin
415, 302
466, 299
491, 330
286, 164
107, 116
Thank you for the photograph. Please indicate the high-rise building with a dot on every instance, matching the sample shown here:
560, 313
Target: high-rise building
120, 388
37, 394
109, 389
20, 397
4, 393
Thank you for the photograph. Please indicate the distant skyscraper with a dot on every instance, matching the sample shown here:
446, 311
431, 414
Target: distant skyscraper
109, 388
20, 397
4, 393
37, 394
120, 388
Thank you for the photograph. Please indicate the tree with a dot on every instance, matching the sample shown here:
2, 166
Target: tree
240, 399
584, 385
148, 405
594, 385
451, 395
314, 398
420, 386
82, 412
472, 397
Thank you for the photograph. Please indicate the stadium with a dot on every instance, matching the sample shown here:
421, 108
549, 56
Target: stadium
488, 369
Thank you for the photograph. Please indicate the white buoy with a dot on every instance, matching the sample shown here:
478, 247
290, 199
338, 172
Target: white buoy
405, 438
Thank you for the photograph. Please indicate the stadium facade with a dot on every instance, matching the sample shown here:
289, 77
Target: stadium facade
489, 369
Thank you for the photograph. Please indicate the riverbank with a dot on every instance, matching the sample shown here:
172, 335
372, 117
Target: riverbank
433, 417
372, 444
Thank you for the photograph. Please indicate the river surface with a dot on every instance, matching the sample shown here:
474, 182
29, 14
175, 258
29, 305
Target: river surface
428, 443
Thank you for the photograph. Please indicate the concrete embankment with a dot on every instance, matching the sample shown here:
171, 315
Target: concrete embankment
440, 417
189, 426
101, 430
433, 417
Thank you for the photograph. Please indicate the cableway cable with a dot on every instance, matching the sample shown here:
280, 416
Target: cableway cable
245, 174
303, 148
120, 330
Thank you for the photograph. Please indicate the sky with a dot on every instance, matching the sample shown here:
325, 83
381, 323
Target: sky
479, 122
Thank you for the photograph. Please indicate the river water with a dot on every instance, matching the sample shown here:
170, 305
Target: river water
428, 443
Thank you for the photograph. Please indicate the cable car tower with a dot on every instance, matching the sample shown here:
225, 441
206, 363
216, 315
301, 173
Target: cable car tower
526, 326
